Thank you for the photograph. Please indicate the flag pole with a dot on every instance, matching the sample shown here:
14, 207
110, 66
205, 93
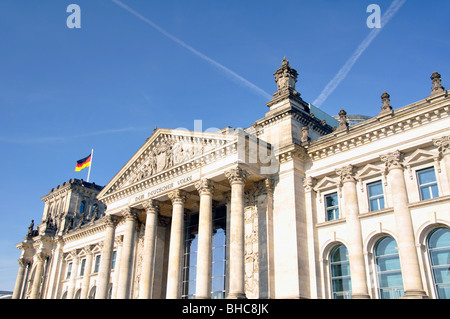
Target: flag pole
89, 171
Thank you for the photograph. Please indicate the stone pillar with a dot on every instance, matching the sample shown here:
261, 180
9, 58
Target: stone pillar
151, 209
73, 274
355, 242
87, 272
23, 263
39, 270
126, 260
104, 272
409, 261
237, 177
204, 252
176, 248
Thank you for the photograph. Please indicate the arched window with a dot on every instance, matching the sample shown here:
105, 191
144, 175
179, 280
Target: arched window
92, 292
439, 252
82, 207
390, 281
77, 294
94, 207
340, 273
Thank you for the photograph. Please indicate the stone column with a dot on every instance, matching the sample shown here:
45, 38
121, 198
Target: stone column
204, 252
237, 177
104, 272
73, 274
126, 260
409, 261
39, 270
23, 263
355, 242
151, 209
176, 248
87, 272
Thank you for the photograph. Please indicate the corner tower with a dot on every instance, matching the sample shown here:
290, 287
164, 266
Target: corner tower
290, 120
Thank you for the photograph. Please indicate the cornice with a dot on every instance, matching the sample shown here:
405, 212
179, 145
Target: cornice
98, 227
307, 119
379, 127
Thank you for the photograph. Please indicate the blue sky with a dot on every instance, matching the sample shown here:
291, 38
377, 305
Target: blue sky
108, 84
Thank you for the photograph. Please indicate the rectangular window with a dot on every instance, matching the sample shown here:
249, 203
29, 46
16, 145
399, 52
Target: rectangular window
427, 183
113, 264
376, 197
97, 263
69, 270
332, 206
83, 265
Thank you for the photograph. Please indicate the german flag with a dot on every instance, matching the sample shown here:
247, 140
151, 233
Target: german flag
83, 163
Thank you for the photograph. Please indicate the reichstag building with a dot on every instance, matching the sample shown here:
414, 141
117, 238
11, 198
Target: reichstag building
297, 205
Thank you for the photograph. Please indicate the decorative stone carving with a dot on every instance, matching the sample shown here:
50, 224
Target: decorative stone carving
308, 183
285, 76
305, 134
251, 254
386, 107
392, 160
443, 144
178, 196
205, 186
237, 175
437, 85
343, 124
129, 213
347, 173
151, 206
110, 220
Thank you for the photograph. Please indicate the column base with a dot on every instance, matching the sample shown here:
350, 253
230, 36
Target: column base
360, 296
415, 294
236, 296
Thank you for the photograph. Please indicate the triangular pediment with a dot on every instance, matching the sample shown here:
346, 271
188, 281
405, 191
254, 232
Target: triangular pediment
165, 150
325, 183
369, 170
420, 156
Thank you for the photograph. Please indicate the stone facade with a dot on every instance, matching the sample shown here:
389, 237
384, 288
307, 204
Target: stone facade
259, 212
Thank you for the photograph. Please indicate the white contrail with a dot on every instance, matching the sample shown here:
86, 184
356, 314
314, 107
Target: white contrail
62, 139
332, 85
196, 52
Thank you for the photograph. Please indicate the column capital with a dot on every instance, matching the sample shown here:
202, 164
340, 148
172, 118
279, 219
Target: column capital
205, 186
347, 173
237, 175
151, 206
308, 183
443, 144
110, 220
178, 196
23, 262
129, 213
392, 160
41, 257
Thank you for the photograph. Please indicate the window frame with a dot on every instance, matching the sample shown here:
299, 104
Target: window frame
378, 272
427, 185
430, 260
97, 263
347, 294
332, 207
377, 197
